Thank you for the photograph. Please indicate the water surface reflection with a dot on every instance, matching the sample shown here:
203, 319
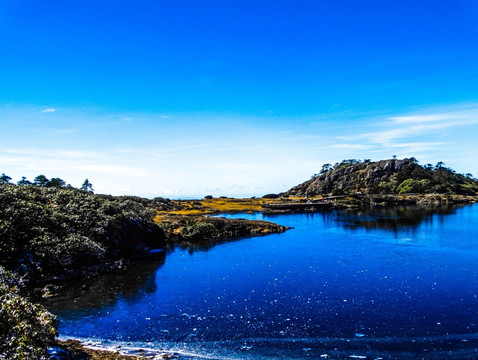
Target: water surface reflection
130, 282
399, 283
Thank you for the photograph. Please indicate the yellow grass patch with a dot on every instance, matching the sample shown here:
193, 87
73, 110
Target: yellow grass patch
234, 205
213, 206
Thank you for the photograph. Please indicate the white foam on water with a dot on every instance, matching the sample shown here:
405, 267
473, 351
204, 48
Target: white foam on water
253, 348
150, 349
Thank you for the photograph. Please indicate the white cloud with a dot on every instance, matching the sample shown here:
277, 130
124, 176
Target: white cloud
406, 127
467, 115
48, 110
423, 118
437, 134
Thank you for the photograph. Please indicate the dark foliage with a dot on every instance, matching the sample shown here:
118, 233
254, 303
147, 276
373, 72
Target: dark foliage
414, 178
271, 196
4, 179
53, 230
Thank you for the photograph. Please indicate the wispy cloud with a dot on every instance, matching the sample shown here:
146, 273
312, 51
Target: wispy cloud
48, 110
431, 134
423, 118
445, 115
409, 126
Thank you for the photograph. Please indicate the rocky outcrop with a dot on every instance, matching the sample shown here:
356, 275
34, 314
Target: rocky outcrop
347, 178
393, 176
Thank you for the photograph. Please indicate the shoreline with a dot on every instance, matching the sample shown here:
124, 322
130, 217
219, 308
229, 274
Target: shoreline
161, 224
128, 352
294, 204
70, 349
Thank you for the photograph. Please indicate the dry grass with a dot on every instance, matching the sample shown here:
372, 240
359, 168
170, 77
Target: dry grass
222, 205
234, 205
214, 206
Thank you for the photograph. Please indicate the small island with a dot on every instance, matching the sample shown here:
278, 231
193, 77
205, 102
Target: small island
51, 233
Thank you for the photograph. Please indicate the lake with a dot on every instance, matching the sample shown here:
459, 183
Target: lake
384, 283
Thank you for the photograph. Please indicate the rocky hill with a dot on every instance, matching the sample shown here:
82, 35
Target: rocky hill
394, 176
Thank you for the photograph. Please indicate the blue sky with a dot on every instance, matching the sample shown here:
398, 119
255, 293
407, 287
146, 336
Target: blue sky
242, 98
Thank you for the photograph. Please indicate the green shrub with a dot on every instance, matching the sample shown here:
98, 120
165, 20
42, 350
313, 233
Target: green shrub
26, 329
410, 186
197, 230
387, 187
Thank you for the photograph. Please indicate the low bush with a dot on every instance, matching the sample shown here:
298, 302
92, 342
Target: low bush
26, 329
198, 230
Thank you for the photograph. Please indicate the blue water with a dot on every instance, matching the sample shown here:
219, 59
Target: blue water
399, 283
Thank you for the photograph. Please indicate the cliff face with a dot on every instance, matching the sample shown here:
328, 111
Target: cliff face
385, 177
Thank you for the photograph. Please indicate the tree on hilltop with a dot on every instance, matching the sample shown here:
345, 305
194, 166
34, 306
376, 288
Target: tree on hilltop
40, 180
4, 179
325, 168
56, 182
24, 181
87, 186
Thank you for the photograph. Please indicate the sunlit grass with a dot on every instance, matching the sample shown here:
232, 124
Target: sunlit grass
250, 205
235, 205
213, 206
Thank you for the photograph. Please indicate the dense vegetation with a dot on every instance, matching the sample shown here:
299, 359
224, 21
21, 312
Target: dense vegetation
387, 177
26, 329
414, 178
49, 232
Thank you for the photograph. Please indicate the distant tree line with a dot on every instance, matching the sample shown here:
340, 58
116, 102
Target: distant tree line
43, 181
